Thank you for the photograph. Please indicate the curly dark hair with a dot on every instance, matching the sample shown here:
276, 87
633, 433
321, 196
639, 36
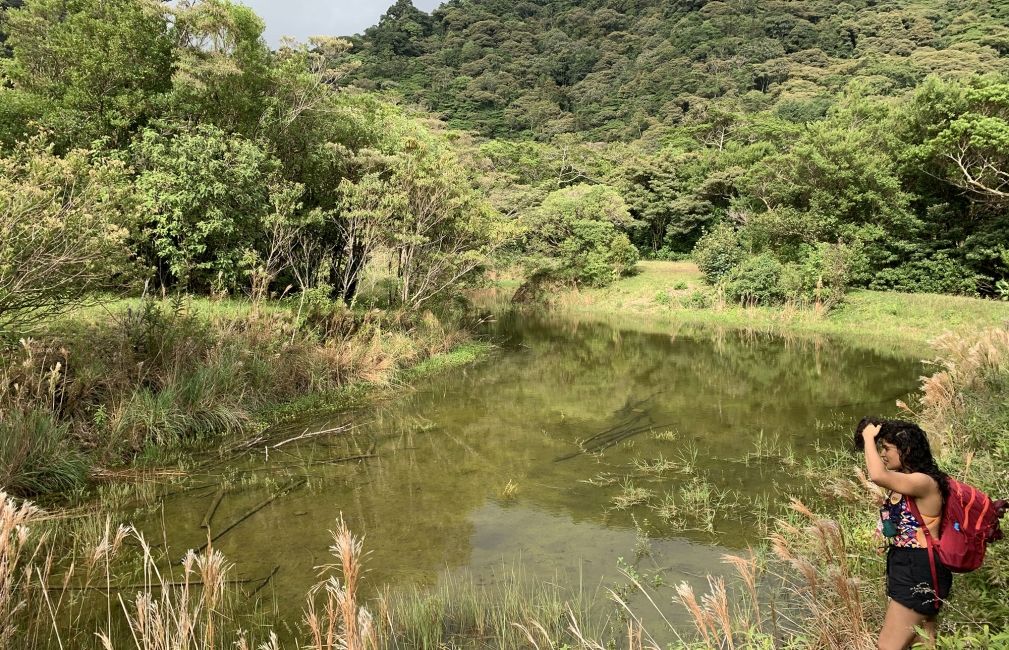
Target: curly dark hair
912, 443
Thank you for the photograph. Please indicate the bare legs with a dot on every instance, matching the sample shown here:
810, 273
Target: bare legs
899, 632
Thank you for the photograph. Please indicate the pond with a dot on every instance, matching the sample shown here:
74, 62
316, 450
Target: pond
571, 446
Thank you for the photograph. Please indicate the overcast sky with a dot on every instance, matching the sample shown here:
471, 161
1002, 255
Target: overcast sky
304, 18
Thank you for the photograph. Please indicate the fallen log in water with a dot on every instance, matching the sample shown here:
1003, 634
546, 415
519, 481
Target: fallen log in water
265, 582
614, 436
155, 585
213, 507
253, 510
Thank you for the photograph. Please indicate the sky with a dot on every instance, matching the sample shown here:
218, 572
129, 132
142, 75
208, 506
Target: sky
304, 18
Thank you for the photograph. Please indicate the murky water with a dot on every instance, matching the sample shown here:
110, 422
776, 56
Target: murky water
477, 469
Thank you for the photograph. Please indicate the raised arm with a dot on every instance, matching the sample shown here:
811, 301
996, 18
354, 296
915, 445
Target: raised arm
912, 485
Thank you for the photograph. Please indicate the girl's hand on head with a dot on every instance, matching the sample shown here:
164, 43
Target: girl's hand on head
870, 432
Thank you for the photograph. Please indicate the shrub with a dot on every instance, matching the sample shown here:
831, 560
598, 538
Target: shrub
938, 274
595, 253
62, 233
668, 255
718, 251
756, 281
697, 300
821, 276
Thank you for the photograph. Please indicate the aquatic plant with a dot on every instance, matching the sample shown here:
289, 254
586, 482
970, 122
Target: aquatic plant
510, 490
458, 613
630, 496
659, 465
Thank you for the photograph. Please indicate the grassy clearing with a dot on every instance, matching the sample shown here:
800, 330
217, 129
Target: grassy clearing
666, 295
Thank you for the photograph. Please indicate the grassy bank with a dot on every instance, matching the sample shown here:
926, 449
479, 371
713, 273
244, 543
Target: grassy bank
664, 295
136, 382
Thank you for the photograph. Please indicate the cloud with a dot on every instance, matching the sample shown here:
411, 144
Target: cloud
304, 18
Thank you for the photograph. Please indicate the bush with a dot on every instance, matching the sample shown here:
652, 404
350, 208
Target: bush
718, 251
595, 253
756, 281
938, 274
62, 231
821, 277
697, 300
667, 255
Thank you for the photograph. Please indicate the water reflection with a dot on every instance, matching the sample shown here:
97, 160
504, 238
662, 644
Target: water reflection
725, 423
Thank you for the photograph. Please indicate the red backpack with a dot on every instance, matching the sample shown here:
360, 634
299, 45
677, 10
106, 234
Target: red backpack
970, 521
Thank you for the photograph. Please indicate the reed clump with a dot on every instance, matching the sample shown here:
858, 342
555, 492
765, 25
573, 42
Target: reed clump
334, 618
516, 612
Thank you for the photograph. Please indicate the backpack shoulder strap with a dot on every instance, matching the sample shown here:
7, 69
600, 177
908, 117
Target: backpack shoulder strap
913, 507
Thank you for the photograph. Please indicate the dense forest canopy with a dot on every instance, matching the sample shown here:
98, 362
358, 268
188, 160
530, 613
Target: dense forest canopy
862, 136
608, 69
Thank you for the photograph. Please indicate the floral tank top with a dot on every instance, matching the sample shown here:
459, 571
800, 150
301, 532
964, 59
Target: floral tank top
898, 524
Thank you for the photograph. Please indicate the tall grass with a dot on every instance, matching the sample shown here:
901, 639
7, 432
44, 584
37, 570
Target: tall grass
519, 611
334, 619
36, 455
117, 593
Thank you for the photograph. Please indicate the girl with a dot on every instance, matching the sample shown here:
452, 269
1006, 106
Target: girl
899, 459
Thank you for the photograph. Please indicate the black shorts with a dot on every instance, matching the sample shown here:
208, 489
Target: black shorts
909, 580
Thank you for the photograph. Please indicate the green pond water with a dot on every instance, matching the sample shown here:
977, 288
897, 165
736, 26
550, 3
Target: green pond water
476, 471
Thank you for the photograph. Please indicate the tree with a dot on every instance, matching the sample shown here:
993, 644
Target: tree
836, 183
100, 65
669, 196
63, 231
206, 194
442, 231
222, 72
579, 233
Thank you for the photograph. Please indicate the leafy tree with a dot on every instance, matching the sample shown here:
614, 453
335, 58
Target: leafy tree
63, 231
669, 195
834, 184
97, 67
580, 233
222, 71
442, 231
206, 194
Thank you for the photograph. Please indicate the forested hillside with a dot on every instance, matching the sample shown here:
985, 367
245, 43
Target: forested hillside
609, 69
854, 143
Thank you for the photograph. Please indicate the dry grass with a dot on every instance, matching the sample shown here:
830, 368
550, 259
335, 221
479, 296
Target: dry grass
187, 608
334, 619
161, 375
18, 553
965, 361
